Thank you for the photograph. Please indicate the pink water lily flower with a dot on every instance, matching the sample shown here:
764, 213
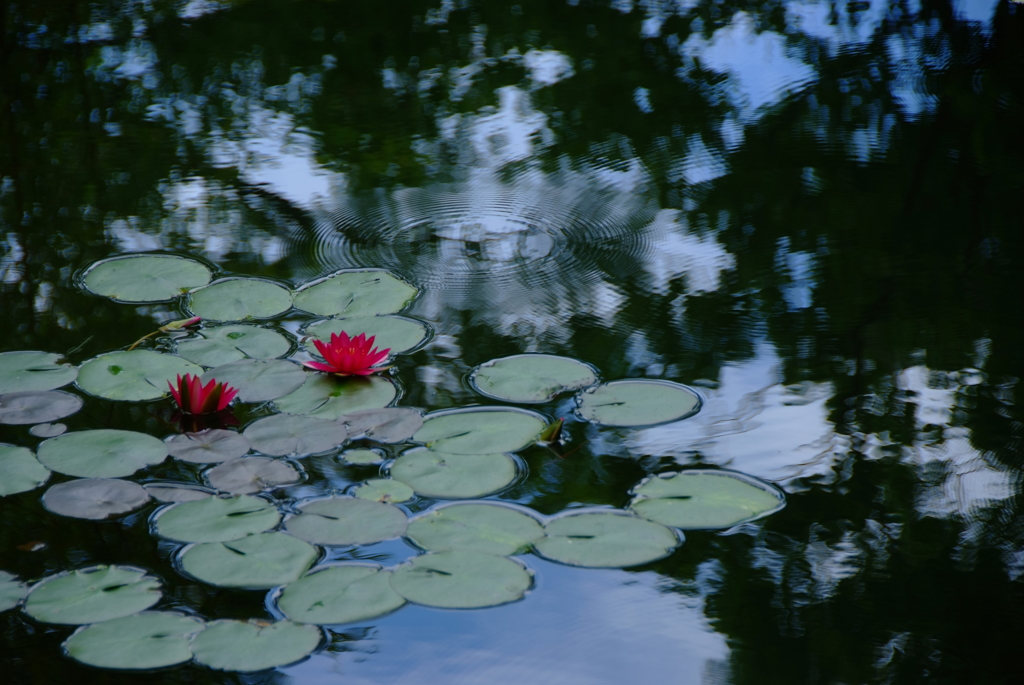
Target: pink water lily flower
193, 398
345, 356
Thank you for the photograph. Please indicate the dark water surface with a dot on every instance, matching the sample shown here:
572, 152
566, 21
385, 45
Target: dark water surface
809, 210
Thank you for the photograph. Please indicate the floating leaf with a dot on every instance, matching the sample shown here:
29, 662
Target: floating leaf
258, 380
362, 457
132, 376
216, 519
531, 378
94, 498
346, 521
224, 344
339, 593
20, 408
480, 430
705, 499
391, 425
13, 591
101, 453
257, 561
384, 490
253, 646
167, 492
91, 595
397, 333
454, 476
461, 579
488, 528
235, 299
605, 540
152, 639
20, 471
145, 278
282, 436
364, 292
48, 430
330, 397
252, 474
637, 402
208, 446
26, 371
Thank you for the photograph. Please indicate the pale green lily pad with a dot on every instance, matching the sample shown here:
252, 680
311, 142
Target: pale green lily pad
605, 540
95, 498
91, 595
223, 344
209, 446
637, 402
531, 378
396, 333
48, 430
329, 397
340, 593
705, 499
259, 380
177, 492
283, 436
389, 425
488, 528
237, 299
346, 521
257, 561
152, 639
101, 453
461, 579
480, 430
252, 474
22, 408
145, 278
216, 519
362, 457
384, 490
250, 646
13, 591
365, 292
454, 476
132, 376
20, 471
26, 371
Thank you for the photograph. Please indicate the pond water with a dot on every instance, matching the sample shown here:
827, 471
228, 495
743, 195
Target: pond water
803, 216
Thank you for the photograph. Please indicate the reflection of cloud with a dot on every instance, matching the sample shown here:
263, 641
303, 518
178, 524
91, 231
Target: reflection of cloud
547, 67
835, 23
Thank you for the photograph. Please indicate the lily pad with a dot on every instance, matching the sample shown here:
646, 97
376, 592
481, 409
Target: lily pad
397, 333
26, 371
282, 436
48, 430
637, 402
364, 292
384, 490
488, 528
256, 561
340, 593
236, 299
94, 498
20, 408
91, 595
20, 471
13, 591
454, 476
480, 430
252, 474
216, 519
152, 639
705, 499
145, 278
224, 344
390, 425
330, 397
605, 540
132, 376
259, 380
250, 646
346, 521
461, 579
209, 446
101, 453
168, 492
362, 457
531, 378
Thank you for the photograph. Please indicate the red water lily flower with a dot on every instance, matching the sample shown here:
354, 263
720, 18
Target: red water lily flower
194, 398
345, 356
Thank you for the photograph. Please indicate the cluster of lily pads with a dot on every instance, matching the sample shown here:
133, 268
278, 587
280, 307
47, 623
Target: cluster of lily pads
233, 533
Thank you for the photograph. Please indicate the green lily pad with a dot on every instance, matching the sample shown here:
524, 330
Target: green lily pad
637, 402
362, 457
216, 519
145, 278
257, 561
48, 430
252, 474
254, 645
396, 333
21, 408
384, 490
25, 371
454, 476
224, 344
390, 425
364, 292
208, 446
91, 595
480, 430
346, 521
461, 579
101, 453
152, 639
237, 299
175, 492
283, 436
531, 378
13, 591
132, 376
330, 397
95, 498
259, 380
605, 540
20, 471
488, 528
705, 499
339, 593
